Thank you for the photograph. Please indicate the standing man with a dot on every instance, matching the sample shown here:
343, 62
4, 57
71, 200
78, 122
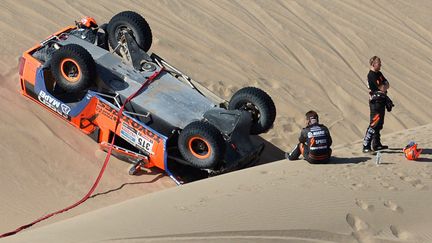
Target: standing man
314, 142
378, 102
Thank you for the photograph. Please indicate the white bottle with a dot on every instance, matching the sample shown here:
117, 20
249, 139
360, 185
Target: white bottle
378, 158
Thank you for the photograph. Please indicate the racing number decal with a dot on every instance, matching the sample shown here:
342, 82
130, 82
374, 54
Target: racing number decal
145, 143
136, 138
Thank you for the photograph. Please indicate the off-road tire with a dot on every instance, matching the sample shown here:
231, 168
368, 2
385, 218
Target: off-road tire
259, 103
73, 68
202, 145
135, 23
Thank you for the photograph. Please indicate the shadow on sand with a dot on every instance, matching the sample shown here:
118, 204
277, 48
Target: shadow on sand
126, 184
427, 151
423, 160
350, 160
271, 152
400, 151
391, 151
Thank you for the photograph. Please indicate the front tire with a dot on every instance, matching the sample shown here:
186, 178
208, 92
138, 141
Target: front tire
135, 24
202, 145
73, 68
259, 104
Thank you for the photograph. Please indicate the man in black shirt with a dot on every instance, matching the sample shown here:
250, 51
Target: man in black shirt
378, 102
314, 142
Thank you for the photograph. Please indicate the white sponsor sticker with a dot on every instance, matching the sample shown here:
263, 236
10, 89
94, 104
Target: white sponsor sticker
54, 104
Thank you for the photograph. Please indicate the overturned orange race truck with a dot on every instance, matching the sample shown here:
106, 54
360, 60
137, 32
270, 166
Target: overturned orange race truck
85, 73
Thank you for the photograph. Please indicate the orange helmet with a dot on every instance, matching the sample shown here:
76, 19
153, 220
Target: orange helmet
411, 152
88, 22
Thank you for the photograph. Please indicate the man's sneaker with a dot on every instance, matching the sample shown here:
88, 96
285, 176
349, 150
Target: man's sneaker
367, 149
380, 147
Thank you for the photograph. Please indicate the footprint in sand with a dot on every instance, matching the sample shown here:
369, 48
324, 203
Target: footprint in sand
400, 234
222, 89
288, 124
426, 175
364, 205
417, 183
356, 223
361, 229
406, 178
378, 178
356, 186
393, 206
388, 186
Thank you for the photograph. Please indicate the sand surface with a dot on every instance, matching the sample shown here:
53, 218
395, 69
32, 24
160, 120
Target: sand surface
306, 55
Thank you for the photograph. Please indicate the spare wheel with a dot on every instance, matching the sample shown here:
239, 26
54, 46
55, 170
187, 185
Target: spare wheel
73, 68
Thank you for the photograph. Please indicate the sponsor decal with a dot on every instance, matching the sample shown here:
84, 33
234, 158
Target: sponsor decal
128, 133
136, 138
54, 104
318, 148
107, 111
65, 109
316, 134
320, 141
111, 113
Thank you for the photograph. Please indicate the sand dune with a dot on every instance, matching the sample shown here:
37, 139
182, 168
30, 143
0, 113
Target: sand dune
352, 200
306, 55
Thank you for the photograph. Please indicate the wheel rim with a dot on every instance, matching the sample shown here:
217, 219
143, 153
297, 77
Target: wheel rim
199, 147
70, 70
248, 106
120, 30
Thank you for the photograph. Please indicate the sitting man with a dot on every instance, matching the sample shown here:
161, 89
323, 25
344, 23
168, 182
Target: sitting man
314, 142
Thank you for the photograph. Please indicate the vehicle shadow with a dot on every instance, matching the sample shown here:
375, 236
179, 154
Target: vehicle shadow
271, 152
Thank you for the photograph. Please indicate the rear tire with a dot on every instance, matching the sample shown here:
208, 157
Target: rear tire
202, 145
73, 68
135, 24
259, 104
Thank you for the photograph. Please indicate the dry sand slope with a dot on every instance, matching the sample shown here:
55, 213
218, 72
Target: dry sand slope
352, 200
305, 54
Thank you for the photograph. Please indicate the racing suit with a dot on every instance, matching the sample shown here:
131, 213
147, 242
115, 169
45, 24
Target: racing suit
314, 145
378, 103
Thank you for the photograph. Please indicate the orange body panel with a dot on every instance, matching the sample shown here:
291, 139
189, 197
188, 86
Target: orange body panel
106, 121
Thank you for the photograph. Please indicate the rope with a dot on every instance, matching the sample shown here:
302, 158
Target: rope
95, 184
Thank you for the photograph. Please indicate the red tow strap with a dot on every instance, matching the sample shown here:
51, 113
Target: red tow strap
95, 184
